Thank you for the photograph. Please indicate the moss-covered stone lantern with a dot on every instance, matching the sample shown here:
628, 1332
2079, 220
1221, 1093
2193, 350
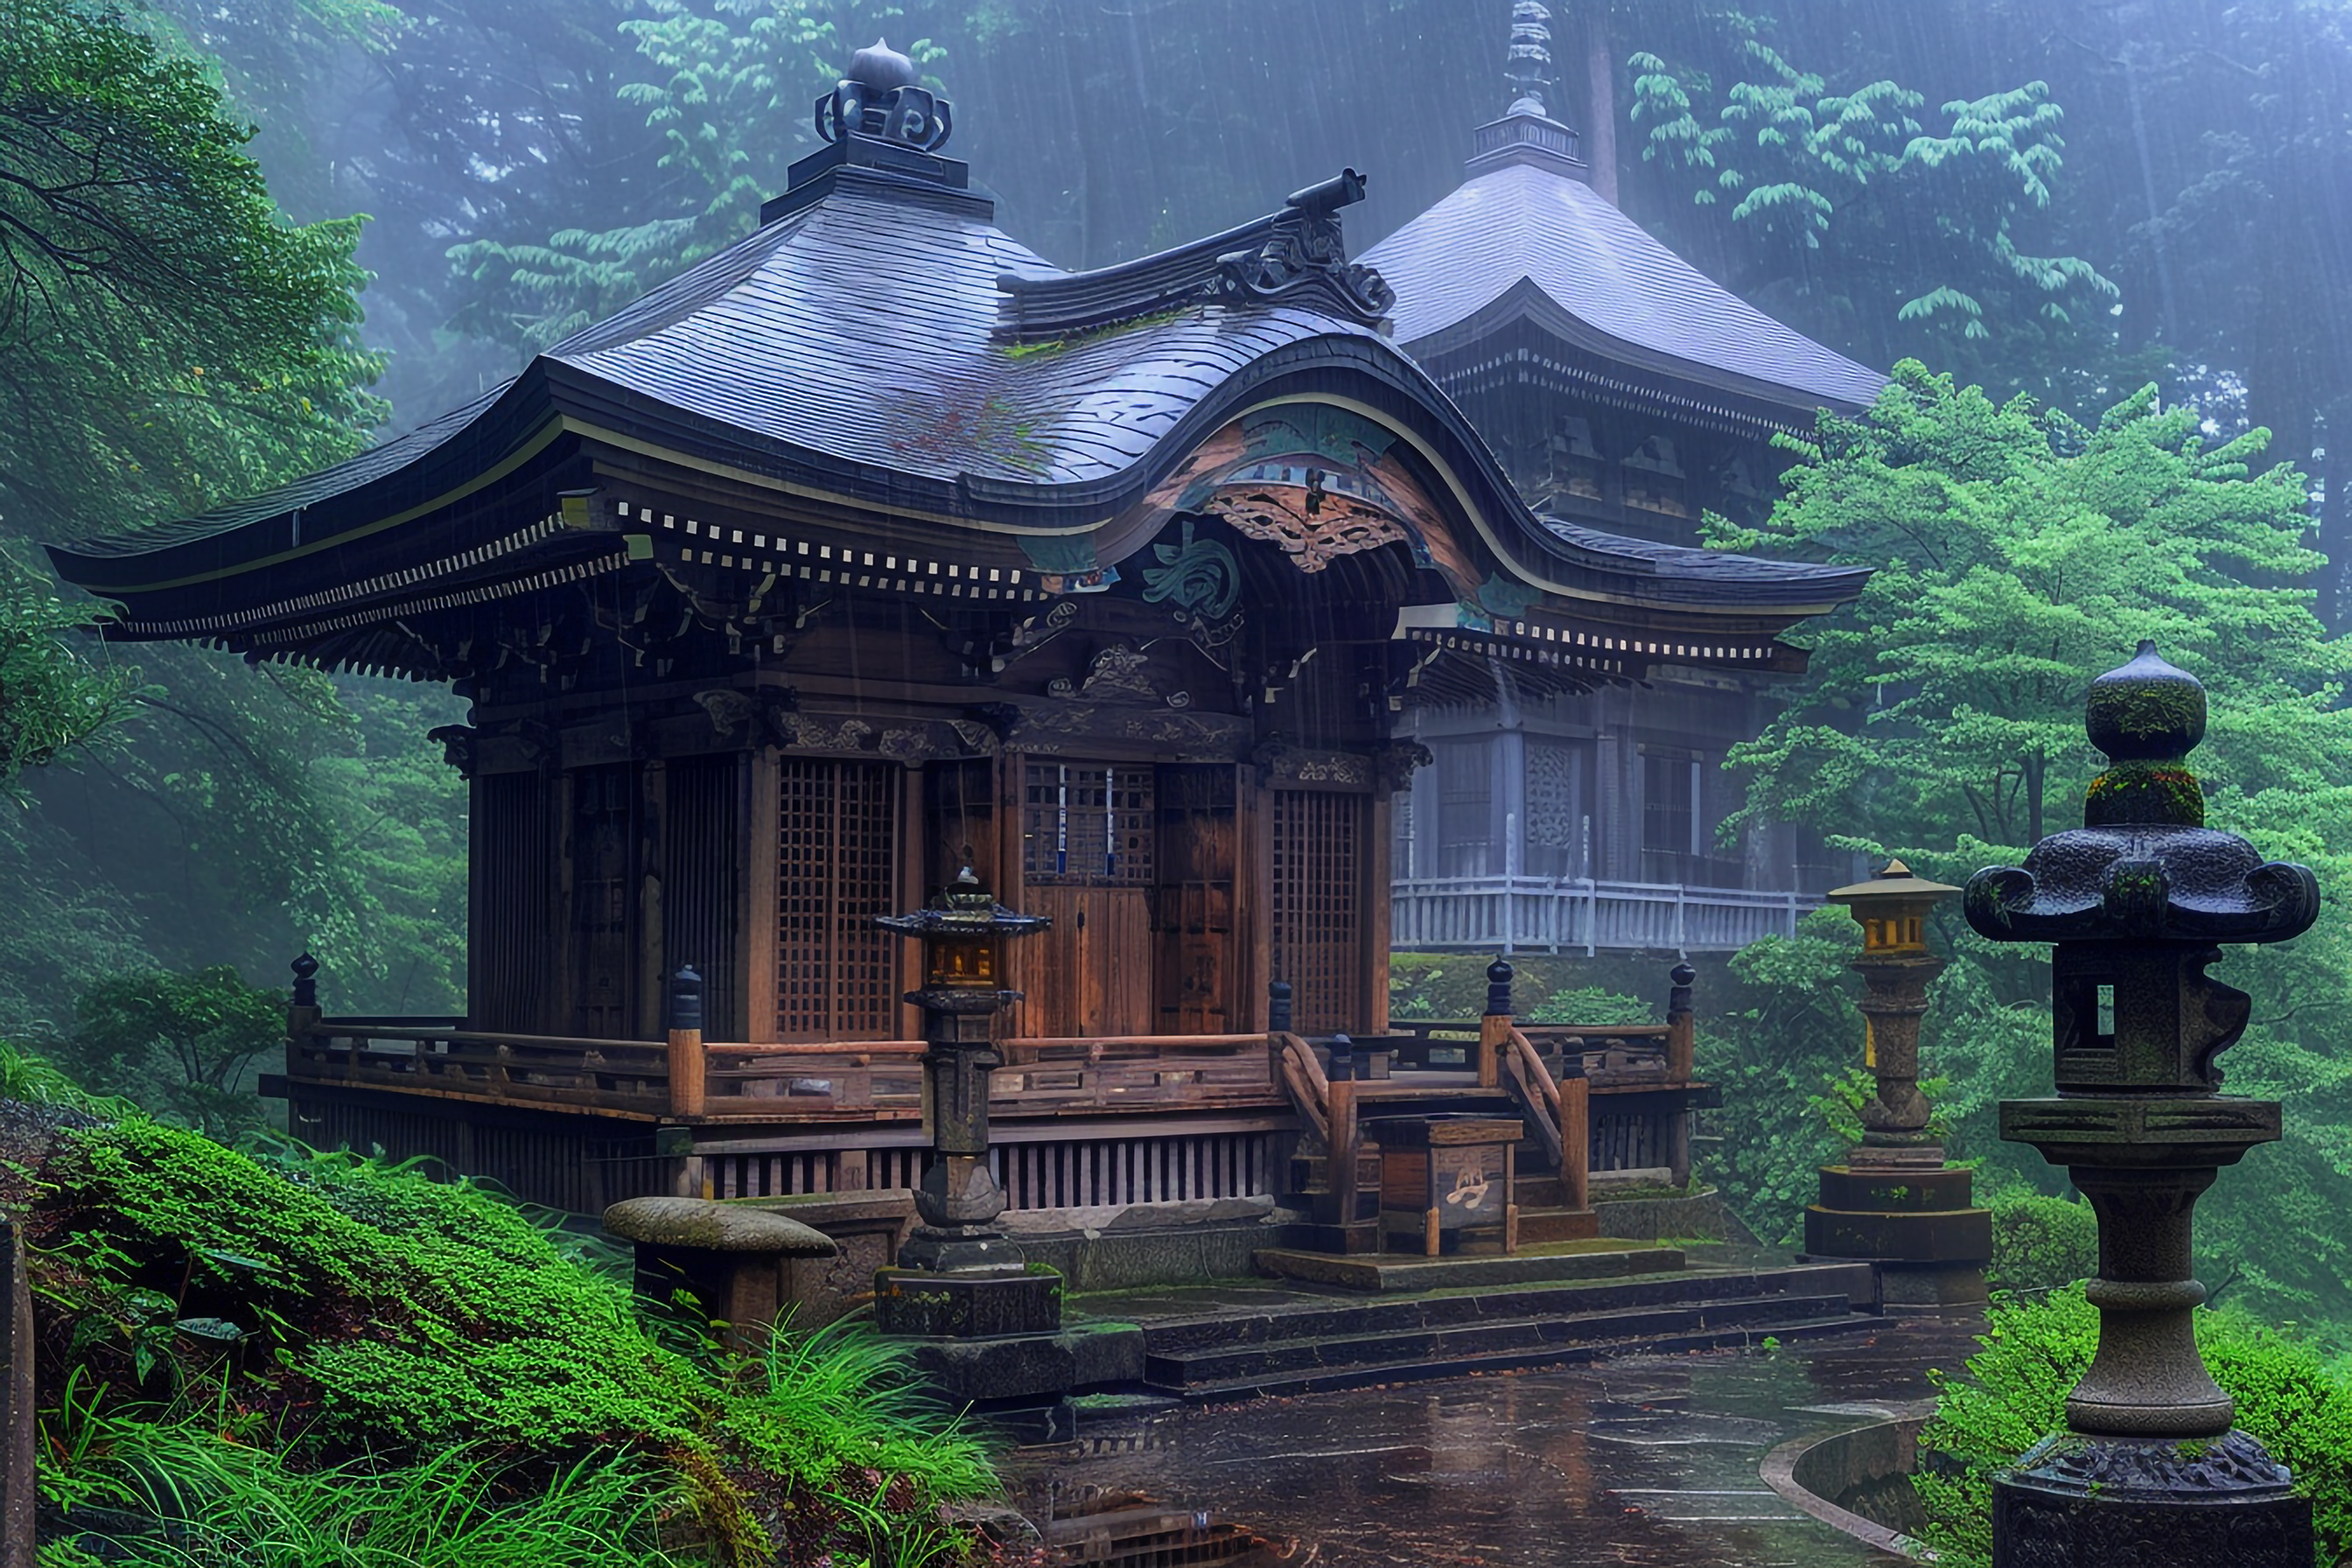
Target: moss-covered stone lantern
975, 1281
2136, 901
1894, 1201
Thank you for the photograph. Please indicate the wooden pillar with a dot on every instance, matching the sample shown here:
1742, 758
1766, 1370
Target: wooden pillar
652, 871
555, 1007
1575, 1137
17, 1397
688, 1065
1495, 1025
1372, 933
914, 864
1342, 1111
1254, 880
477, 904
1682, 1053
756, 927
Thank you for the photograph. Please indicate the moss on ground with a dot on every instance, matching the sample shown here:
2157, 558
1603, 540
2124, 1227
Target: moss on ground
227, 1342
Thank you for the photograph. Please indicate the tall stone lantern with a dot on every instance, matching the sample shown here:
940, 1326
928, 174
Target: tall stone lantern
1894, 1201
2136, 901
959, 1274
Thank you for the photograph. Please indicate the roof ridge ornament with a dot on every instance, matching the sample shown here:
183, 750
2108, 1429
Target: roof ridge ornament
877, 98
1304, 259
1528, 62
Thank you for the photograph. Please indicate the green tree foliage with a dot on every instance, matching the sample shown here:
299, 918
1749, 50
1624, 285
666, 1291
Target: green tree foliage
2014, 1395
53, 700
2018, 553
182, 1043
728, 92
166, 340
1829, 194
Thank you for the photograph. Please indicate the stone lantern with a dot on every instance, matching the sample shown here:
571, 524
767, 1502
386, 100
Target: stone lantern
973, 1279
1894, 1201
2136, 901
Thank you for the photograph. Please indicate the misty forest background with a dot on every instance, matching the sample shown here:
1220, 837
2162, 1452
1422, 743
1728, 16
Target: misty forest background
2125, 220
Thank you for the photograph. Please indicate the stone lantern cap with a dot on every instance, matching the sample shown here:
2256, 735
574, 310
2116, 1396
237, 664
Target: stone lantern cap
2144, 866
702, 1225
1897, 882
963, 909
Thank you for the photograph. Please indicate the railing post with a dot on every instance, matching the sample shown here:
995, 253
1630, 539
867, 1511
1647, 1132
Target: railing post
302, 1009
1682, 1057
16, 1402
1495, 1028
1575, 1130
1341, 1078
686, 1061
1277, 1007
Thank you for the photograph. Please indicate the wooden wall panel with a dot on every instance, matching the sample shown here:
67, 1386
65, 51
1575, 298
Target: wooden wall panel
509, 981
603, 924
701, 891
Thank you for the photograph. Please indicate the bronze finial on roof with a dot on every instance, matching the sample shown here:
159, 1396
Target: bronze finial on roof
1529, 67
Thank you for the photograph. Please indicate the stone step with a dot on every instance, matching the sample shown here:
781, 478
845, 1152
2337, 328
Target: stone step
1555, 1223
1390, 1272
1254, 1365
1180, 1336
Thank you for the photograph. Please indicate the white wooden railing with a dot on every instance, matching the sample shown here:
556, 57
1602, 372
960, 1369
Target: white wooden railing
1507, 914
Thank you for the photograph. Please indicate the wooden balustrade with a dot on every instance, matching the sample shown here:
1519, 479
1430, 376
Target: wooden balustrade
876, 1080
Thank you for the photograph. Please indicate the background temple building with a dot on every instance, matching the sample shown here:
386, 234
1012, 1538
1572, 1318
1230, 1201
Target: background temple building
1625, 391
877, 544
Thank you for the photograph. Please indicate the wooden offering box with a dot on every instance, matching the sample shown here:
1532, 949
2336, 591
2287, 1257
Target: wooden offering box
1448, 1174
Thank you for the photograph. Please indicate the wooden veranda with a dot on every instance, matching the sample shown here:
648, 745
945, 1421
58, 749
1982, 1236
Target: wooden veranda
1086, 1122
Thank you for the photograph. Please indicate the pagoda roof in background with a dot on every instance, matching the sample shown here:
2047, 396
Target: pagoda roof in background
1526, 237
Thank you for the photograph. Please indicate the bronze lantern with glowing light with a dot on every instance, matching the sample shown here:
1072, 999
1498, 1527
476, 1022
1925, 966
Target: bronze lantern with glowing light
1895, 967
1894, 1201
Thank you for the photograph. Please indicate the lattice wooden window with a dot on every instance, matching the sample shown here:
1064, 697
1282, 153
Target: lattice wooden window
1318, 918
1086, 824
838, 842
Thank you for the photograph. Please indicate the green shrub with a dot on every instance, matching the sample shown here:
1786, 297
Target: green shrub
1590, 1004
2015, 1391
2040, 1243
326, 1362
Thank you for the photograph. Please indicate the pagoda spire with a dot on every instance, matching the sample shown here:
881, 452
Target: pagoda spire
1528, 64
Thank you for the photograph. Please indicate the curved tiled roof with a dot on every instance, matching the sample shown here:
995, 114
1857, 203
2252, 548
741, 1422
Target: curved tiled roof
858, 344
1611, 287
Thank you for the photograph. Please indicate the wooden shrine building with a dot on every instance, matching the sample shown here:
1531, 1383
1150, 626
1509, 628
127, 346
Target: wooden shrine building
1624, 393
876, 540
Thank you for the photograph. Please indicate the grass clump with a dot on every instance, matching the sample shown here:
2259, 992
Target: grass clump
2014, 1395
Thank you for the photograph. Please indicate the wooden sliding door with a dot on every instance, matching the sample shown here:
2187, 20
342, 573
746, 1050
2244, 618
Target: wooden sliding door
1088, 864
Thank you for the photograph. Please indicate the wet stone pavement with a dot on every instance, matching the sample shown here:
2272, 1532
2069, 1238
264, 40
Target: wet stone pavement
1643, 1460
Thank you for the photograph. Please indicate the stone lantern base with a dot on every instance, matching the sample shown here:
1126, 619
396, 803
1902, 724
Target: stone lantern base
994, 1304
2084, 1502
1913, 1220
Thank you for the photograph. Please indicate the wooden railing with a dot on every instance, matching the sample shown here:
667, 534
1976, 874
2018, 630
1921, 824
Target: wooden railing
1303, 1076
1508, 914
874, 1080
